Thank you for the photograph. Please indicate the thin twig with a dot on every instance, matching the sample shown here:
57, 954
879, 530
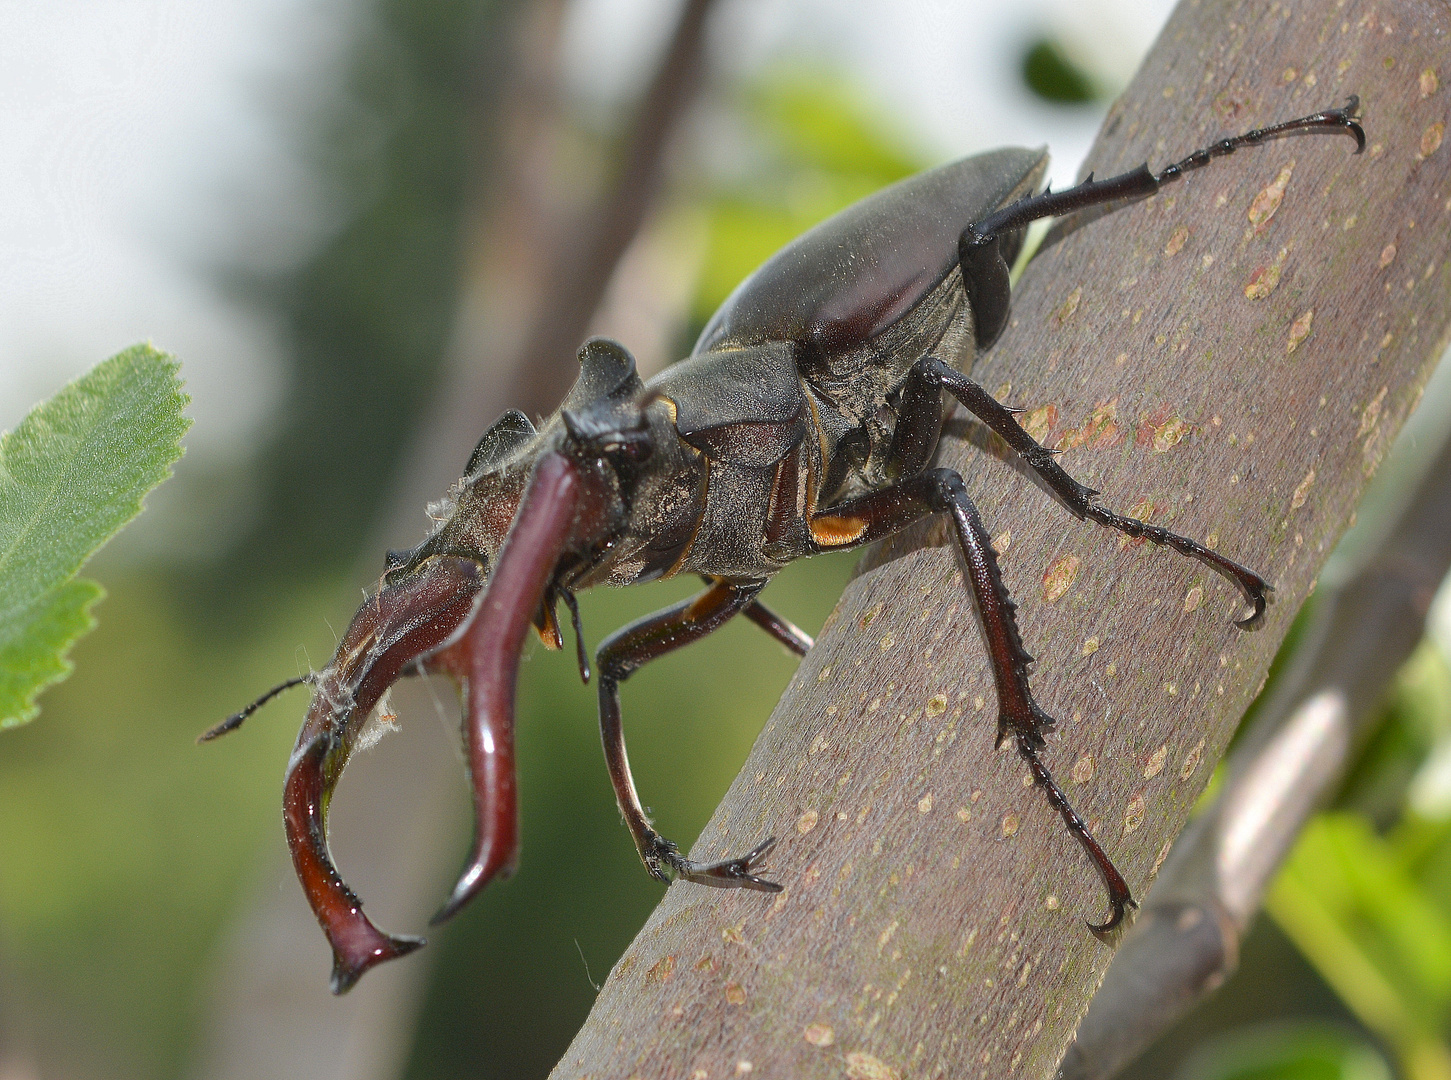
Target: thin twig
584, 263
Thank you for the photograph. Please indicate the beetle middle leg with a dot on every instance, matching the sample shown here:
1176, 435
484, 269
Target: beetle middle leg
930, 371
784, 631
620, 656
880, 514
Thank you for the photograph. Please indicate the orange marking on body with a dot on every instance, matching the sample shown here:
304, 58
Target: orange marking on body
546, 625
708, 602
832, 531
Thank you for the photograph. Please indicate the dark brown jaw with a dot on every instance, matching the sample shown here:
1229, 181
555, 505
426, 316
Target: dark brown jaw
486, 661
391, 630
446, 619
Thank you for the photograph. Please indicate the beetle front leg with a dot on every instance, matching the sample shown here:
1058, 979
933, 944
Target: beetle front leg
1080, 499
882, 513
620, 656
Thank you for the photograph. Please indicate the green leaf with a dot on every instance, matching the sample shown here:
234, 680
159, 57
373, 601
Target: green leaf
1297, 1050
71, 475
1050, 72
1374, 935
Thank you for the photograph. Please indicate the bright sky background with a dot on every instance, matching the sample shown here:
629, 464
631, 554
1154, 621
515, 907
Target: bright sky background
133, 131
141, 136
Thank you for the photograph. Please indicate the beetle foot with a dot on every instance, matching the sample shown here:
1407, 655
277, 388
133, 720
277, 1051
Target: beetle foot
1119, 902
664, 861
1259, 598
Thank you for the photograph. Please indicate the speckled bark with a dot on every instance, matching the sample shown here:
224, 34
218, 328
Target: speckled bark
933, 923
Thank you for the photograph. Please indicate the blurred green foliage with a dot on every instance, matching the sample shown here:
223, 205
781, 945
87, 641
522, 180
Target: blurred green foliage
72, 474
1371, 909
1049, 72
125, 847
1302, 1051
399, 148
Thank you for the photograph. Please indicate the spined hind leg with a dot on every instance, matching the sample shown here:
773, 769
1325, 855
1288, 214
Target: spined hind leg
878, 515
985, 271
620, 656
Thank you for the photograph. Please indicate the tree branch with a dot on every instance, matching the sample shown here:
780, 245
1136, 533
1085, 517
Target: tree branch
584, 262
1318, 716
933, 918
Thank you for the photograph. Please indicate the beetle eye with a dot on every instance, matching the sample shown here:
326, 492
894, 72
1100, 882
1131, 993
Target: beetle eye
635, 450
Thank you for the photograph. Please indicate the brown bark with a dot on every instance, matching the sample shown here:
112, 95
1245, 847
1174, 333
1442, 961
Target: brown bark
933, 919
1360, 632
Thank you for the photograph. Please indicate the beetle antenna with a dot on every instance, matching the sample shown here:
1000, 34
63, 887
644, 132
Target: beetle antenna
233, 722
580, 652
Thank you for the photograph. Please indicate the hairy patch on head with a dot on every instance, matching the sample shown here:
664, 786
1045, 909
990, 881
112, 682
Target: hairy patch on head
441, 510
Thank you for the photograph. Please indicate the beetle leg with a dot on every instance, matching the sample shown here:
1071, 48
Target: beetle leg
620, 656
919, 423
1080, 499
581, 654
783, 630
1020, 718
985, 271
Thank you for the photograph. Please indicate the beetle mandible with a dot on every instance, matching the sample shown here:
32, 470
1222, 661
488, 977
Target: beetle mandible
804, 420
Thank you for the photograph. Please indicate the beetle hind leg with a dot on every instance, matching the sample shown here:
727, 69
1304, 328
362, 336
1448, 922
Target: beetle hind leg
1020, 718
664, 861
1119, 897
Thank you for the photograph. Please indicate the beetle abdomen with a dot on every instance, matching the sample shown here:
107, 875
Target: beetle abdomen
857, 273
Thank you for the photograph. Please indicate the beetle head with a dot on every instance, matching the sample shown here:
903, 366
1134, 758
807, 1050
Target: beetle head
600, 426
535, 506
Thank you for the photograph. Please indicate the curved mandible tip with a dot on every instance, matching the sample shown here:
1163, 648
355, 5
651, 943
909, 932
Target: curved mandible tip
486, 660
390, 631
356, 943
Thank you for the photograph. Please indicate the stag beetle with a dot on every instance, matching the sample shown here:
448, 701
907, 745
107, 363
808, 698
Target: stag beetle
805, 420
